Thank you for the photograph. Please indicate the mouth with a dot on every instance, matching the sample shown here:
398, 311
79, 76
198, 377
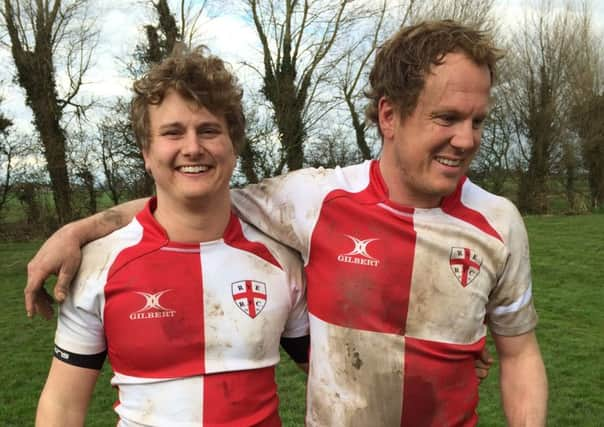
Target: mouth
193, 169
449, 162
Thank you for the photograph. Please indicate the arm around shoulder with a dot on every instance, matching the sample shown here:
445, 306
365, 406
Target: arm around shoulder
66, 395
60, 254
523, 380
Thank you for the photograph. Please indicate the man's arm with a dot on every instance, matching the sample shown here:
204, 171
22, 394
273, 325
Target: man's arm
523, 380
66, 395
60, 254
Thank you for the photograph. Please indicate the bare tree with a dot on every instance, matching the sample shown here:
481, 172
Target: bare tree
82, 163
295, 36
537, 96
8, 152
332, 148
590, 126
569, 165
190, 16
259, 158
160, 39
492, 166
350, 72
5, 123
587, 79
496, 162
165, 32
478, 13
40, 32
121, 160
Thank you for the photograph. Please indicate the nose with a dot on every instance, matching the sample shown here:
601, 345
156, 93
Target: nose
466, 136
191, 145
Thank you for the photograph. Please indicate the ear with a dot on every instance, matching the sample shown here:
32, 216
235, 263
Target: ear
386, 118
145, 154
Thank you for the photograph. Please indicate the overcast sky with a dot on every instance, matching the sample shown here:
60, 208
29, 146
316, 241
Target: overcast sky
120, 25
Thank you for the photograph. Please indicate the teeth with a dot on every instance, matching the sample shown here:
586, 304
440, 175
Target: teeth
193, 169
448, 162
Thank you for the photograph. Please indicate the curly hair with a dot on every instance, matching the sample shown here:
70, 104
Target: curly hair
198, 77
405, 59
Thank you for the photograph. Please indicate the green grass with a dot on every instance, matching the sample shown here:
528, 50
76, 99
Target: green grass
568, 276
567, 255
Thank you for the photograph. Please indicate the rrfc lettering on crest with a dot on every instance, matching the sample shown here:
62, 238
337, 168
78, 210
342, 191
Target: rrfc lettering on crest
249, 296
465, 264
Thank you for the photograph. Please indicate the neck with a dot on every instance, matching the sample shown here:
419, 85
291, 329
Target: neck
196, 222
396, 178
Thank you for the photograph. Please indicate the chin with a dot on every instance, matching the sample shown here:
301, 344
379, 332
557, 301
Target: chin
443, 190
196, 197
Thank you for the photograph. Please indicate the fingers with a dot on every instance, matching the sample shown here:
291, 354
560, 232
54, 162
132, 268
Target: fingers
478, 363
482, 364
482, 373
35, 282
482, 369
43, 304
485, 357
64, 279
66, 275
63, 261
37, 301
29, 301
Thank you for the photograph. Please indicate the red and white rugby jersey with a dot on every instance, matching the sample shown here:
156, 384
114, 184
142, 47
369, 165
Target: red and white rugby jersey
192, 330
398, 297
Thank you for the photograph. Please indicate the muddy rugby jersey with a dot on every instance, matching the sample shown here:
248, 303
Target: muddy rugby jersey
191, 330
399, 298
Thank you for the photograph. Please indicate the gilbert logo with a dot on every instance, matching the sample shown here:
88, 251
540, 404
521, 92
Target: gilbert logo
359, 255
153, 308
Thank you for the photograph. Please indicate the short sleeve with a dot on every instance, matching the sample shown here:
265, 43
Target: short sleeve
297, 324
80, 326
510, 309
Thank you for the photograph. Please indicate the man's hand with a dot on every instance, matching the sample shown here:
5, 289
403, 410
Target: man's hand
59, 255
483, 364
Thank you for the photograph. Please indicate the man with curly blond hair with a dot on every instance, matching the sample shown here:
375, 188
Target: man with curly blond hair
190, 340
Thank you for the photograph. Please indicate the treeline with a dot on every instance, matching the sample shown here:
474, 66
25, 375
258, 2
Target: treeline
543, 144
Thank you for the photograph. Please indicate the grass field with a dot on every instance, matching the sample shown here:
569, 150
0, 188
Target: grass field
568, 276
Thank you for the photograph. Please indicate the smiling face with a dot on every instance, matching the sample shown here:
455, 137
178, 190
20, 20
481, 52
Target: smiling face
190, 154
426, 153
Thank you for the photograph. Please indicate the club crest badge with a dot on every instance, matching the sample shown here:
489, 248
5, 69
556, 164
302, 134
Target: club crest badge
249, 296
465, 265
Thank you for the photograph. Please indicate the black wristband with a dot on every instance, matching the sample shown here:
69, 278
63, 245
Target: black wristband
90, 361
297, 348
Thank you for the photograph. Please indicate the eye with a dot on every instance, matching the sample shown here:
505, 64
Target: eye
171, 133
208, 131
478, 122
445, 119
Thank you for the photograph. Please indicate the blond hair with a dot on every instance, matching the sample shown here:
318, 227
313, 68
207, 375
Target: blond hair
198, 77
405, 59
